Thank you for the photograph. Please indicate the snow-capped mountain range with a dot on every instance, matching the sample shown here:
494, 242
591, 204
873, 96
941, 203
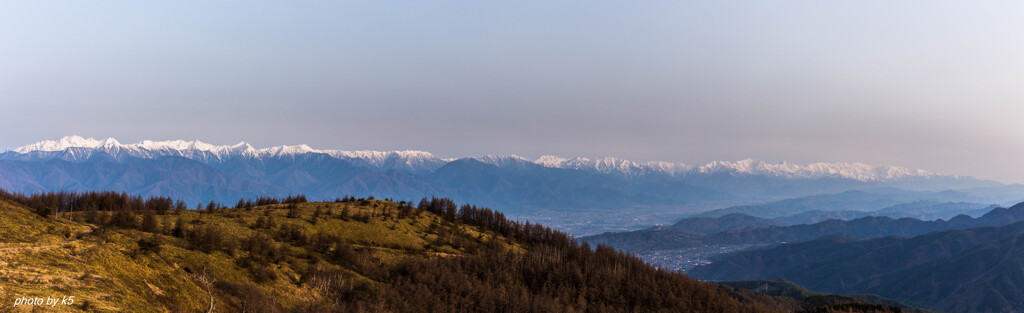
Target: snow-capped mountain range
198, 172
76, 148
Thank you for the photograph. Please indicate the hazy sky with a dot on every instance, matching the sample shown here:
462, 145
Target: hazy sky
931, 84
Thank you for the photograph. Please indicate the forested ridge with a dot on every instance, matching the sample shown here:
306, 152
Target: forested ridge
354, 255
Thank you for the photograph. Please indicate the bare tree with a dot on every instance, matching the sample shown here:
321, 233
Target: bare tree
206, 278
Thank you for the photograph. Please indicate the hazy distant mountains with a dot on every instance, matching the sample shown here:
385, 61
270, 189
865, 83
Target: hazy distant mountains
200, 172
965, 270
870, 202
739, 228
75, 148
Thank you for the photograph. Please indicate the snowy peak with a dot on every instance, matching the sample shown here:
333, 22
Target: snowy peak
175, 145
551, 161
186, 148
76, 148
405, 159
287, 150
857, 171
610, 165
505, 160
68, 142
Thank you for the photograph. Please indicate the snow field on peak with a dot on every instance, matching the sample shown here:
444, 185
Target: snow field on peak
421, 160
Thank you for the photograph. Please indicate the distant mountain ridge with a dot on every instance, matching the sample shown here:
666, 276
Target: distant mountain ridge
76, 148
923, 210
867, 200
728, 222
736, 228
615, 187
964, 270
866, 227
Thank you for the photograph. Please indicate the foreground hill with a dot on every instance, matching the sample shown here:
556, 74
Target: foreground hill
965, 270
346, 256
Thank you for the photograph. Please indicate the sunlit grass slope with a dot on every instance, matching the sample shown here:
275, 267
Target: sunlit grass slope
345, 256
106, 269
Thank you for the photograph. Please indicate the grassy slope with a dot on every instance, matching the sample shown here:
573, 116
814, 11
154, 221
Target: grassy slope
94, 268
18, 228
106, 270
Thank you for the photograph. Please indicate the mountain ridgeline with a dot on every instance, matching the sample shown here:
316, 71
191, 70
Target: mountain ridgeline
963, 270
321, 176
735, 228
121, 252
890, 202
198, 172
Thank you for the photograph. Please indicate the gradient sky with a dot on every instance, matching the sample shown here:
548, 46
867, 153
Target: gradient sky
937, 85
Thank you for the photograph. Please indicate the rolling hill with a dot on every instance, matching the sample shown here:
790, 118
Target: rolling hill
356, 255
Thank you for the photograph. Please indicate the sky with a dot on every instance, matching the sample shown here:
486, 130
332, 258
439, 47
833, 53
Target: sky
937, 85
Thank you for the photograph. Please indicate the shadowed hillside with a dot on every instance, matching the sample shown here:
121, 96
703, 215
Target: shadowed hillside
966, 270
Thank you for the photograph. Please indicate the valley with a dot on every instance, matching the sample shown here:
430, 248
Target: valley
685, 259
